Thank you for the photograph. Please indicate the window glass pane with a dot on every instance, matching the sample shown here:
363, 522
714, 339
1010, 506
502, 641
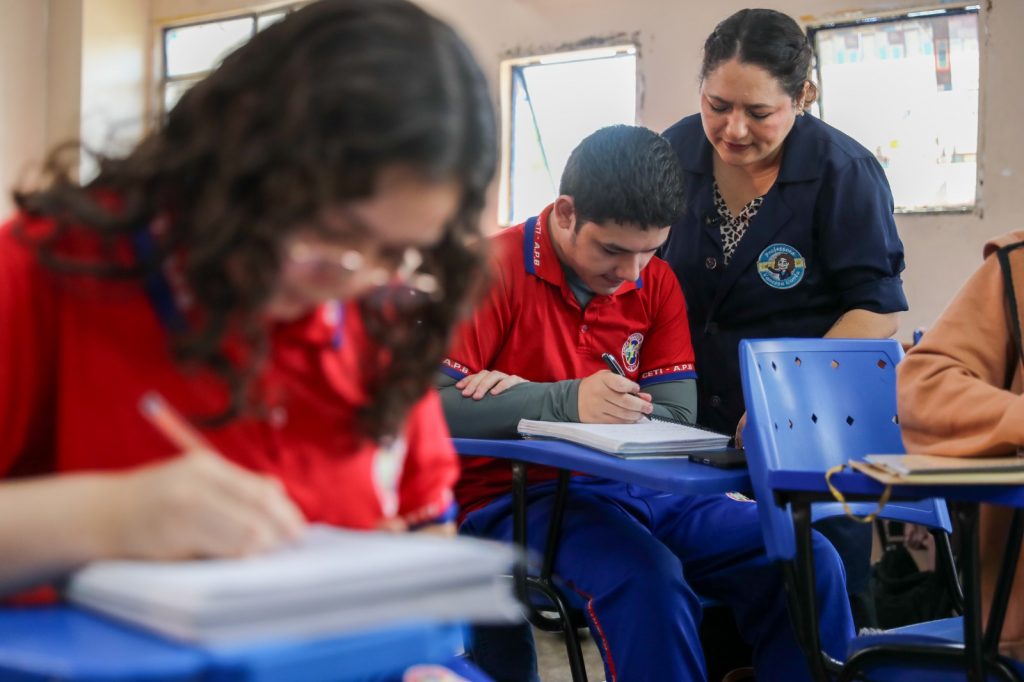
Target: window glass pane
555, 105
173, 91
264, 20
199, 48
908, 91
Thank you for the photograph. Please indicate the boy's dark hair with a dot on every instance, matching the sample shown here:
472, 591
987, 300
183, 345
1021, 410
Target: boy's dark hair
765, 38
302, 117
626, 174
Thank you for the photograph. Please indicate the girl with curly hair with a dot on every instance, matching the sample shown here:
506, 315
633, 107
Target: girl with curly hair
282, 261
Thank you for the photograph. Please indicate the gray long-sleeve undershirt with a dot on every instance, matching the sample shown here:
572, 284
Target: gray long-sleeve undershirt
497, 416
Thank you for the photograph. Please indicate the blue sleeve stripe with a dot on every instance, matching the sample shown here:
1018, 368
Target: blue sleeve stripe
662, 378
528, 238
449, 514
453, 373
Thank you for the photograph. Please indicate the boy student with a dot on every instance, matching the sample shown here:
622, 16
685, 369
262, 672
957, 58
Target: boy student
577, 281
281, 260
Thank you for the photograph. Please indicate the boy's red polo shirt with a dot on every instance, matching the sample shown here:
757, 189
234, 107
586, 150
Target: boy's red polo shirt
531, 325
77, 353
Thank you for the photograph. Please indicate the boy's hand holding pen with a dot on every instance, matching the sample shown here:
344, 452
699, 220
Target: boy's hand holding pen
611, 398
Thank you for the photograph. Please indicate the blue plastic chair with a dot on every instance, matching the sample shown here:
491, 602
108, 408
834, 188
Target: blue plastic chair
813, 404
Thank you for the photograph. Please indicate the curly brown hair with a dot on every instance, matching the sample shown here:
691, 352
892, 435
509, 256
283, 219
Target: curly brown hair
303, 116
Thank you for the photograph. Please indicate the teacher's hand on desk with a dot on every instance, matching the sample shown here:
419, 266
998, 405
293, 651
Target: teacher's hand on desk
607, 398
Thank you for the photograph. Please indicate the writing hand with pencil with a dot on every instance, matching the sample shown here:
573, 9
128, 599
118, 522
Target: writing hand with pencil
609, 397
198, 504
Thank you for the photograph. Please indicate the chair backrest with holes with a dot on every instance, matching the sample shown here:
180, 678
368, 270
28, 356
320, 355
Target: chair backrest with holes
815, 403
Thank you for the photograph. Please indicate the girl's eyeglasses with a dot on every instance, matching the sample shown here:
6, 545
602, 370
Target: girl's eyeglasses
398, 269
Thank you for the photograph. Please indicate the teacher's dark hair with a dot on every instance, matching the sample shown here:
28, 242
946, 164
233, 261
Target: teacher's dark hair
765, 38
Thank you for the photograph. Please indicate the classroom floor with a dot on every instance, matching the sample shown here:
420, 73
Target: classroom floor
553, 663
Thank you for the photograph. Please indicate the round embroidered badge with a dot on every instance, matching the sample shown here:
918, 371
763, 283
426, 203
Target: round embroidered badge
631, 351
781, 266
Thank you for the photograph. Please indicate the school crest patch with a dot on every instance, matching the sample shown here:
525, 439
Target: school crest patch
781, 266
631, 351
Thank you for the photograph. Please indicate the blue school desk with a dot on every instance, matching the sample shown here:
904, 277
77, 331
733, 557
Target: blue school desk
670, 474
802, 487
66, 643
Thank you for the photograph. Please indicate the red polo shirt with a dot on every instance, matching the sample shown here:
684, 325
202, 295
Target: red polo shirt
77, 353
531, 325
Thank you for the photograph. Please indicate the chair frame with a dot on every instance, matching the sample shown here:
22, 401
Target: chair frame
978, 655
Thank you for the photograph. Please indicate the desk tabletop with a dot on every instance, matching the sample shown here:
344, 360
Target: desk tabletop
671, 474
857, 483
67, 643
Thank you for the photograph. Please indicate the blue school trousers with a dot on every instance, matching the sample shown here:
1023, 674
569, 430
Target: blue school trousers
634, 560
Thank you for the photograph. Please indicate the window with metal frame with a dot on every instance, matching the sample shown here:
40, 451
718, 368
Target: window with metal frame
906, 86
549, 104
193, 50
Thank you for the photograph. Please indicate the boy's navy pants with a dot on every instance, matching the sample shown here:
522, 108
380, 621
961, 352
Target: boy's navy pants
634, 560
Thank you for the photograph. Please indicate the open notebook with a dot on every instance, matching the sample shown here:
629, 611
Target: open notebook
331, 582
643, 439
931, 469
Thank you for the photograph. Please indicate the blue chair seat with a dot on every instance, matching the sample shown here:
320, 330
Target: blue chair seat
942, 631
948, 631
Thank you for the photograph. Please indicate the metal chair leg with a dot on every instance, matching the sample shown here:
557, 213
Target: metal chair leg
946, 566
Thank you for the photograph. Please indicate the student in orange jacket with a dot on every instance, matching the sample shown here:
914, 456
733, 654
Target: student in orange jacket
960, 394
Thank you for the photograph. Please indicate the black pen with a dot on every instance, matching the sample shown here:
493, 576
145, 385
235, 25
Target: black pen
616, 368
613, 364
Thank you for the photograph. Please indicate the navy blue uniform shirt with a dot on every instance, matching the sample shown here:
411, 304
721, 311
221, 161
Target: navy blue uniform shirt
823, 242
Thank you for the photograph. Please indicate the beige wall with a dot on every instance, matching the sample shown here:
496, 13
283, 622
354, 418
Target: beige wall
23, 56
114, 74
63, 71
941, 249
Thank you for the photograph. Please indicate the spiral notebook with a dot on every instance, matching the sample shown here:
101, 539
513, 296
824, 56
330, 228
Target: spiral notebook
331, 582
651, 438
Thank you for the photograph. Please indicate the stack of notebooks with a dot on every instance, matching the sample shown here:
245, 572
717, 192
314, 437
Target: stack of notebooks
930, 469
642, 439
332, 582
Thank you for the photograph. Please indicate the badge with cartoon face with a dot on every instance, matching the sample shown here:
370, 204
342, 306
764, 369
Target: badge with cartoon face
631, 351
781, 266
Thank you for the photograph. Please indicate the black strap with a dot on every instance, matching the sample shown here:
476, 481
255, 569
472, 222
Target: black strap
1010, 296
155, 283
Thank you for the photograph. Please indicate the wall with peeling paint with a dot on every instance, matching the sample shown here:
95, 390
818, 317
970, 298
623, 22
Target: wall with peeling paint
942, 249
